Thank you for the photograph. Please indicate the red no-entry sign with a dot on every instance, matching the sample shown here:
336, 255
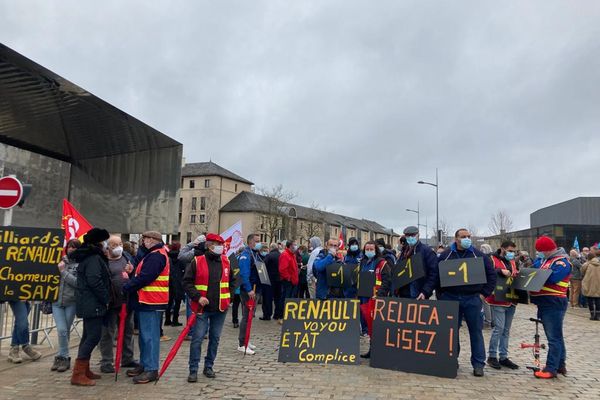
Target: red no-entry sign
11, 192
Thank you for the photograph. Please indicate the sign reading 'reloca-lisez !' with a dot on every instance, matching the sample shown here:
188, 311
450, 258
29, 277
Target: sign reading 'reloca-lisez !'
315, 331
28, 263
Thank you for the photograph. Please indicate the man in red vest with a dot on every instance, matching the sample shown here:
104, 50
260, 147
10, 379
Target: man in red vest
502, 311
552, 305
208, 282
149, 295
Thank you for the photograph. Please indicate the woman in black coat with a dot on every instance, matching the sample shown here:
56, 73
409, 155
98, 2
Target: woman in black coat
91, 298
176, 293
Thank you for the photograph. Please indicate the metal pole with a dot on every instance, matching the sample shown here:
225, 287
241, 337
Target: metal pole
8, 214
418, 218
437, 208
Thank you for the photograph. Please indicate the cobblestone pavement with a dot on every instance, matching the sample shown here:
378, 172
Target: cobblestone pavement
261, 376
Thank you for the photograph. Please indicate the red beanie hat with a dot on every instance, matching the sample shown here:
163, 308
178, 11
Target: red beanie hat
544, 243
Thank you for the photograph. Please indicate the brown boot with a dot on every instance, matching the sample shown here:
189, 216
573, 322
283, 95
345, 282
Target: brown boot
79, 377
89, 373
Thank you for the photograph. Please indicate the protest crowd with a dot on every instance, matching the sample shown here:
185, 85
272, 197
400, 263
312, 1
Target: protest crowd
122, 289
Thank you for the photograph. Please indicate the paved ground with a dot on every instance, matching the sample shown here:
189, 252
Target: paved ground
261, 376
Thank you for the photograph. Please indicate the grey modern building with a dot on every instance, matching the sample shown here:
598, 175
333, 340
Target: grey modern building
119, 172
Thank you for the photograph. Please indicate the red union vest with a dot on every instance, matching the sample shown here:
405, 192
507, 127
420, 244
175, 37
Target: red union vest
378, 269
157, 292
558, 289
498, 264
201, 280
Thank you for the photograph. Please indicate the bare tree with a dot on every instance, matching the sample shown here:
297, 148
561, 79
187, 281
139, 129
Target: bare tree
313, 224
473, 230
276, 213
444, 227
500, 223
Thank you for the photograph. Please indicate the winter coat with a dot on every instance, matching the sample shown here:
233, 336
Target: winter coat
272, 264
575, 269
248, 271
288, 267
93, 282
484, 289
68, 283
428, 283
591, 278
176, 275
154, 263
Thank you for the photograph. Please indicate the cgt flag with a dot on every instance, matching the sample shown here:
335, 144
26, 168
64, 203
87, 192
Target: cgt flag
341, 238
233, 238
73, 223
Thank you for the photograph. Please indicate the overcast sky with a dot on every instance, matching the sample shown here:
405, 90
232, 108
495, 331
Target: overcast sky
350, 103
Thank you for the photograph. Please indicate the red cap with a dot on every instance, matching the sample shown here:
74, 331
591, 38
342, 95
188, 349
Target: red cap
544, 243
212, 237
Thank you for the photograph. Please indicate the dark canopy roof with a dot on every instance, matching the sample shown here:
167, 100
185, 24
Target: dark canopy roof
45, 113
211, 169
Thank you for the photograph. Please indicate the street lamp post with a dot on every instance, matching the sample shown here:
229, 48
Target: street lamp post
425, 226
418, 212
437, 209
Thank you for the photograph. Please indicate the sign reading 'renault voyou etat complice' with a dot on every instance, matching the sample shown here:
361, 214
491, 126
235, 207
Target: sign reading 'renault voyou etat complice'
323, 332
415, 336
28, 263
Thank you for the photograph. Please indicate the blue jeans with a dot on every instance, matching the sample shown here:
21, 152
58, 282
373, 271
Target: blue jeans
149, 339
502, 317
63, 317
552, 315
20, 332
469, 309
213, 323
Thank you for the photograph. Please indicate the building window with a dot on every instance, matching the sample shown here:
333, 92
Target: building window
180, 204
192, 219
192, 184
194, 201
179, 218
207, 183
203, 203
188, 237
235, 188
263, 237
202, 218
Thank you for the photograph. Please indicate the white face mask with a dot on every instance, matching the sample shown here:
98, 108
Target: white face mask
117, 251
105, 245
217, 250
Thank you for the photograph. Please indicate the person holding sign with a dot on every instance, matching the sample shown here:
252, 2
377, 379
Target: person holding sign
288, 270
208, 281
502, 311
323, 259
552, 304
375, 262
422, 288
92, 299
469, 295
353, 256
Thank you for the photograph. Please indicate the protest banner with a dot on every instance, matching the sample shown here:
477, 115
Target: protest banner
418, 336
531, 279
407, 271
340, 275
366, 283
462, 271
504, 291
29, 260
322, 332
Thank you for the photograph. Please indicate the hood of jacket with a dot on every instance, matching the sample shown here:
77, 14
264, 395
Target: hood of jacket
85, 251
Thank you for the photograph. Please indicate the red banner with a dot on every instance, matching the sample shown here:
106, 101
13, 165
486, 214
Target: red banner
73, 223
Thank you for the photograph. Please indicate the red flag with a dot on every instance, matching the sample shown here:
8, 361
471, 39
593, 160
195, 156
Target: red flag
341, 247
73, 223
120, 337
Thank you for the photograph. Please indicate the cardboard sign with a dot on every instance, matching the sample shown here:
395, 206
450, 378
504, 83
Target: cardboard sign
340, 275
320, 332
407, 271
235, 270
531, 279
505, 292
366, 283
415, 336
462, 271
263, 275
29, 260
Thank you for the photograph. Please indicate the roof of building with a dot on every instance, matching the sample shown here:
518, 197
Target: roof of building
253, 202
577, 211
211, 169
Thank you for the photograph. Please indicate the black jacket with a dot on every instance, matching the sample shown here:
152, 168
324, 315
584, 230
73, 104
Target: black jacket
485, 289
272, 264
176, 275
93, 282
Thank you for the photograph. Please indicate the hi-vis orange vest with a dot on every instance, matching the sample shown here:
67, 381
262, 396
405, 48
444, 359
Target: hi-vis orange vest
558, 289
201, 280
157, 292
498, 264
378, 269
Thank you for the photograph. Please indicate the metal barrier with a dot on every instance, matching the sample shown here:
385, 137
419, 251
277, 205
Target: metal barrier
38, 323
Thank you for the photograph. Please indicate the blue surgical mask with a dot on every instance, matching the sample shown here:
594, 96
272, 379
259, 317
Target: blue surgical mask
411, 240
263, 253
465, 243
381, 249
370, 253
258, 246
541, 255
353, 247
510, 255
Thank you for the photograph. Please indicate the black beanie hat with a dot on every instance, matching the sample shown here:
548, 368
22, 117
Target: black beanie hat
96, 235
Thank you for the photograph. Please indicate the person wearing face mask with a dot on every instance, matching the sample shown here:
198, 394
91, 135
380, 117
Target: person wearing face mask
209, 282
421, 288
250, 281
386, 251
92, 299
288, 270
374, 261
470, 297
271, 293
315, 247
353, 256
502, 311
148, 292
319, 268
552, 305
63, 309
120, 267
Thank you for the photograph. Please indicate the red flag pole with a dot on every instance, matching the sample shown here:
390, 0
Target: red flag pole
251, 306
119, 352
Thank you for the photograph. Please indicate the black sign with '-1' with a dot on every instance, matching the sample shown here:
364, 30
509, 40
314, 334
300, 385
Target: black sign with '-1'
407, 271
29, 260
366, 283
505, 292
531, 279
340, 275
417, 336
462, 271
